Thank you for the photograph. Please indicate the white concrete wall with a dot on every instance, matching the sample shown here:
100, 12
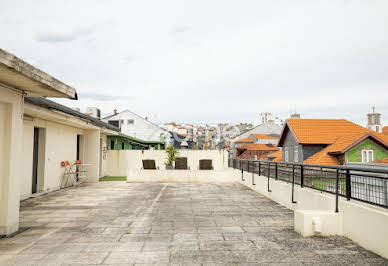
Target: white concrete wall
104, 155
119, 162
365, 224
61, 145
92, 154
10, 154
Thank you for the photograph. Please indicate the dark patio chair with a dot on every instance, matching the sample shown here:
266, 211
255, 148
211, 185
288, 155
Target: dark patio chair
149, 165
205, 164
181, 163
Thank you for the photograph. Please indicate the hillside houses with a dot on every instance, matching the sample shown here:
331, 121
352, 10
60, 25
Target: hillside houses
256, 147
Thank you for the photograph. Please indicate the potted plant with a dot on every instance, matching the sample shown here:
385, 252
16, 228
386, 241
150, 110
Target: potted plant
171, 156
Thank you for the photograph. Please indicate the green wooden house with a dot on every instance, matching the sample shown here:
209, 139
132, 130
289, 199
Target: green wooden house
124, 142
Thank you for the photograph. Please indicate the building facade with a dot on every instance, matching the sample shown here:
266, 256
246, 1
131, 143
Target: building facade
331, 142
138, 127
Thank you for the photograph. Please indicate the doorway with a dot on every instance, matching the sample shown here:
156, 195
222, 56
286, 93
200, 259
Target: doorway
38, 159
80, 147
35, 161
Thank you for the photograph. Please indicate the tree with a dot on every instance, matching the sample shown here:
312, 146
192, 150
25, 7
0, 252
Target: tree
172, 152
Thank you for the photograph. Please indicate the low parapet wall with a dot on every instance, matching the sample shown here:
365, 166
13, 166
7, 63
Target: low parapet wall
120, 162
365, 224
181, 176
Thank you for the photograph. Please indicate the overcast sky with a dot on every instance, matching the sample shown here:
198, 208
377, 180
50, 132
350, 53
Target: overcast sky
209, 60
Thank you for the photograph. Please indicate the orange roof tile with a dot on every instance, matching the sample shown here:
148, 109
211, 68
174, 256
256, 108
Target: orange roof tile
342, 144
259, 147
264, 136
385, 130
322, 131
341, 135
246, 140
278, 156
322, 158
382, 161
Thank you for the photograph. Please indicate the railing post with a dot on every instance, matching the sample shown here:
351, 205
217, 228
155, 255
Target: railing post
253, 174
269, 172
259, 168
301, 176
348, 185
336, 191
293, 183
276, 171
242, 171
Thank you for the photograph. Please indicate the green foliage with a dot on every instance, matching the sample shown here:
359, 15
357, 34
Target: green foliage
194, 146
172, 152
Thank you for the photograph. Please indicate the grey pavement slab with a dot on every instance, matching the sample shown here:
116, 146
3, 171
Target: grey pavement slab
119, 223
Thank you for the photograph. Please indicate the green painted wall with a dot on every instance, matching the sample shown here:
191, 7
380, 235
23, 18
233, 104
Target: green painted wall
118, 143
354, 155
127, 145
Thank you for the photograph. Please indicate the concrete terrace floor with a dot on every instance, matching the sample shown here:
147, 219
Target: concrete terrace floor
127, 223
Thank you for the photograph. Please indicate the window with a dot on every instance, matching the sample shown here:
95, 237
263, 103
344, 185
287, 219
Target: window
367, 156
286, 154
122, 145
296, 157
130, 121
112, 144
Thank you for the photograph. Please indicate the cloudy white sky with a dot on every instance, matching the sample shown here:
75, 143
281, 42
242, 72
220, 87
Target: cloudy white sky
209, 61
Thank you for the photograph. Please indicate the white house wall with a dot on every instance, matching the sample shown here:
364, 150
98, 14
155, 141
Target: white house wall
10, 153
141, 128
104, 151
60, 145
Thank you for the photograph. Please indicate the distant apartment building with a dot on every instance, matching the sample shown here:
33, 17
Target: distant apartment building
269, 117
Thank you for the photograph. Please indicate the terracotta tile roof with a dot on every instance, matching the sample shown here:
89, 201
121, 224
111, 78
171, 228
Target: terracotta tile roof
278, 156
340, 135
382, 161
385, 130
264, 136
345, 142
258, 147
246, 140
322, 158
322, 131
341, 145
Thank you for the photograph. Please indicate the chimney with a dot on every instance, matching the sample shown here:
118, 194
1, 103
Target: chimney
115, 111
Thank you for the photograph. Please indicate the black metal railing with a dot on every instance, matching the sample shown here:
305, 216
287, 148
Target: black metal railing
359, 183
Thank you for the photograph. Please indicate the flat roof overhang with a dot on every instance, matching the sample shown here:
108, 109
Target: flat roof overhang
20, 75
